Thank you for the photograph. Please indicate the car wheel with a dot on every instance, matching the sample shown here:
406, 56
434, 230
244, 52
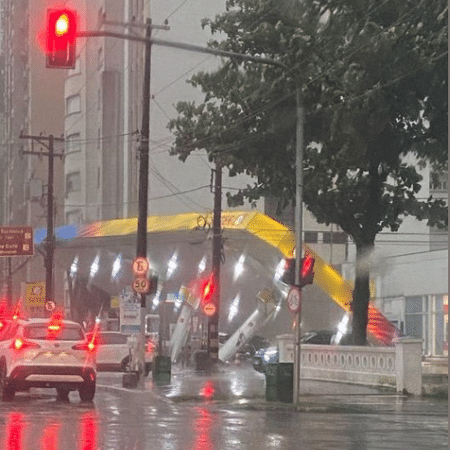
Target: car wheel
62, 394
87, 391
7, 392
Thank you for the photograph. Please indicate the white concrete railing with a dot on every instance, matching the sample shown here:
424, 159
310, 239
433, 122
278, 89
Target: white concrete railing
398, 366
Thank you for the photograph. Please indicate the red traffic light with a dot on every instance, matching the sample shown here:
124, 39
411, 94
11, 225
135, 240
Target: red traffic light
306, 270
207, 289
61, 38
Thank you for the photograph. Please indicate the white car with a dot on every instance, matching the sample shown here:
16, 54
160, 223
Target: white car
113, 351
47, 353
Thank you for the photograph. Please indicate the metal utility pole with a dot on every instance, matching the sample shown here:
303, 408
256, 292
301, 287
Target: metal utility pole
50, 239
213, 322
298, 236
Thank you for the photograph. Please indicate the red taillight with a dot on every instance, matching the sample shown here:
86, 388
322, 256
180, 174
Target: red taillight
150, 347
89, 347
19, 344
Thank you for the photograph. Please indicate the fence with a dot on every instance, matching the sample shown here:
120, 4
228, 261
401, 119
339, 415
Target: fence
398, 367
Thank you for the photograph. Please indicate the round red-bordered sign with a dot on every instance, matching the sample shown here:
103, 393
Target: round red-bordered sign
209, 309
140, 266
141, 285
294, 299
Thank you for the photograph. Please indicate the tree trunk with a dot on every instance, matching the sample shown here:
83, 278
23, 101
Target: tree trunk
361, 295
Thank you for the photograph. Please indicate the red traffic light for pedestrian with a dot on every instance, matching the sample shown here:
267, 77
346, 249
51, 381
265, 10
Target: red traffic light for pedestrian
307, 270
61, 38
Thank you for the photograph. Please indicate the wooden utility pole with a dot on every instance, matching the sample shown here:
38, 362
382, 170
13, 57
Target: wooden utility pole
48, 142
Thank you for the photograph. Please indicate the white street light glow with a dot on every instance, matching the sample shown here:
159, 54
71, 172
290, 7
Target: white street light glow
95, 266
234, 308
280, 269
74, 267
116, 266
202, 265
239, 267
155, 302
172, 265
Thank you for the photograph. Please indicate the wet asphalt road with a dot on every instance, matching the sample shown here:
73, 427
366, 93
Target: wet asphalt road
121, 419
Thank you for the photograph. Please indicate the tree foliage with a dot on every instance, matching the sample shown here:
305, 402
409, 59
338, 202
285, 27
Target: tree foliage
373, 81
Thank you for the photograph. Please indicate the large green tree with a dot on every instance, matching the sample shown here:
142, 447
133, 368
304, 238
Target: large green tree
373, 81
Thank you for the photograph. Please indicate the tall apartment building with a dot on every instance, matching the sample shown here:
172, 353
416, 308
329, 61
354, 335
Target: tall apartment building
103, 104
32, 103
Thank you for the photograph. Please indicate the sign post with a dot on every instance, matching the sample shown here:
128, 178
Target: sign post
130, 313
16, 241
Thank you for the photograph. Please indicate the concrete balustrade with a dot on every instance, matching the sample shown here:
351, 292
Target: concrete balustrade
398, 367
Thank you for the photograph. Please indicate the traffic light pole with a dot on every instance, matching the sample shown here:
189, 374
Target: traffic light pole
298, 237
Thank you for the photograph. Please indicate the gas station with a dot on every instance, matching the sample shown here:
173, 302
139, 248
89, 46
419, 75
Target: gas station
94, 267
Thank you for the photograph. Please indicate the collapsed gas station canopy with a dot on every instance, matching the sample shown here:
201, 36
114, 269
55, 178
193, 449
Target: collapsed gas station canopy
258, 241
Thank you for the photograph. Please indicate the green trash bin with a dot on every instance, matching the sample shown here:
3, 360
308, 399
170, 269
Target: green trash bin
271, 373
285, 382
162, 368
202, 361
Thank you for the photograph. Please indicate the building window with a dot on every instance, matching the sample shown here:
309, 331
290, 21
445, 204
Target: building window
73, 104
73, 217
414, 317
311, 237
100, 58
73, 182
438, 181
73, 143
337, 237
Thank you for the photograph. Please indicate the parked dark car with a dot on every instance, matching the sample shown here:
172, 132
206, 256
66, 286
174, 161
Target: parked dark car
255, 344
269, 355
322, 337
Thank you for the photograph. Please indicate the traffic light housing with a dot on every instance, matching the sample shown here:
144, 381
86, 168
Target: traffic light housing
153, 284
61, 38
289, 272
306, 271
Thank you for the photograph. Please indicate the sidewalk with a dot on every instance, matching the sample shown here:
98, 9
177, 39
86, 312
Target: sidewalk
243, 387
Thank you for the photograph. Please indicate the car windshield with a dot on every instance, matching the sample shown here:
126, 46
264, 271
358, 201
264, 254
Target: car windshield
65, 333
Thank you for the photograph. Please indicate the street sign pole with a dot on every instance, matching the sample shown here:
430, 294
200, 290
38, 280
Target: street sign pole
141, 250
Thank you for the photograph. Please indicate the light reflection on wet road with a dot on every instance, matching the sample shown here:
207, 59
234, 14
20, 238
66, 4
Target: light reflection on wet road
120, 420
